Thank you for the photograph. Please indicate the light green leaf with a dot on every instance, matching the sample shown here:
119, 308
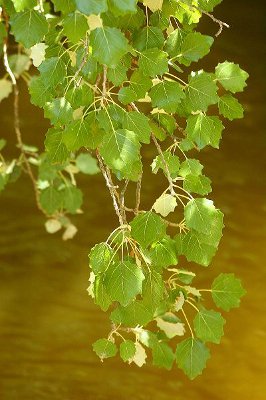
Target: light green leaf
104, 348
109, 45
59, 111
201, 92
123, 282
51, 200
165, 204
101, 297
204, 130
75, 26
153, 62
39, 91
20, 5
55, 147
174, 42
122, 7
231, 76
72, 199
127, 350
227, 291
87, 164
166, 95
91, 6
139, 124
19, 63
208, 5
171, 160
147, 227
29, 27
190, 167
197, 184
208, 325
199, 214
138, 87
148, 38
191, 357
230, 108
5, 88
100, 257
153, 290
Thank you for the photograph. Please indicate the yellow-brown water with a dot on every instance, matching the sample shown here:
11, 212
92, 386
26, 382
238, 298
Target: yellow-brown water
47, 321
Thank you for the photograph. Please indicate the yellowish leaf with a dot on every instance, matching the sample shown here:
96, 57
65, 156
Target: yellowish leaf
140, 356
53, 225
70, 232
165, 204
171, 329
37, 53
94, 21
154, 5
5, 88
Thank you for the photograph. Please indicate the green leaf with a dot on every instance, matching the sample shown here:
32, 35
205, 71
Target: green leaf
39, 91
59, 111
153, 62
100, 256
230, 108
120, 150
136, 313
138, 87
191, 357
153, 290
148, 38
91, 6
127, 350
56, 150
101, 297
193, 47
227, 291
231, 76
147, 227
53, 71
118, 74
75, 26
29, 27
123, 282
171, 160
83, 133
162, 355
87, 164
197, 184
66, 6
104, 348
166, 95
199, 214
109, 45
201, 92
51, 200
165, 121
163, 253
80, 96
122, 7
73, 199
139, 124
208, 325
174, 42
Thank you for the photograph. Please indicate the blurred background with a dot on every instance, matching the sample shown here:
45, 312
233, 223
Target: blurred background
47, 320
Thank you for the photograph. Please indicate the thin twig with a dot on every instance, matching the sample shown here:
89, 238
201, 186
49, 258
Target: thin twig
138, 193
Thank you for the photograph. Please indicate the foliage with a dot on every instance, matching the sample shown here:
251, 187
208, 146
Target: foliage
112, 78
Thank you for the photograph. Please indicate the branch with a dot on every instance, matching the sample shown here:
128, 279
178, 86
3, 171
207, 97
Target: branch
109, 183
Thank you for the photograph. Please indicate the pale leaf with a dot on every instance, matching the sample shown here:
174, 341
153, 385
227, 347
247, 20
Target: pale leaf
180, 300
5, 88
53, 225
37, 53
70, 232
154, 5
94, 21
140, 356
193, 291
171, 329
90, 289
165, 204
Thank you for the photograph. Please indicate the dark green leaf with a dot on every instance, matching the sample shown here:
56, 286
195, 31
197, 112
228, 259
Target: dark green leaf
127, 350
208, 325
191, 357
104, 348
153, 62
